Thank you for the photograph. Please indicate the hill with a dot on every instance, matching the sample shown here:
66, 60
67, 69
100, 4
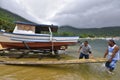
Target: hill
7, 19
90, 32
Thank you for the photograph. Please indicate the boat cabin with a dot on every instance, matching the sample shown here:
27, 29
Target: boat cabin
33, 28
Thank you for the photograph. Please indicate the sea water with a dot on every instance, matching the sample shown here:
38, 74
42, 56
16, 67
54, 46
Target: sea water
90, 71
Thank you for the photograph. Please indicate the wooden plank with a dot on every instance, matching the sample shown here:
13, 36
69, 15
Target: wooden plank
1, 47
75, 61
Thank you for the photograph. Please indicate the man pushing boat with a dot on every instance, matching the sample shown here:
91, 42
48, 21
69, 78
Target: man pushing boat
112, 54
85, 50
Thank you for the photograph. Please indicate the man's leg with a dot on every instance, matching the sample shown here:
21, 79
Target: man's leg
86, 56
107, 64
112, 65
81, 55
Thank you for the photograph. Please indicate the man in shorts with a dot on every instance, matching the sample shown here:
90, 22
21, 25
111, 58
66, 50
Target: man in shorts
112, 54
85, 50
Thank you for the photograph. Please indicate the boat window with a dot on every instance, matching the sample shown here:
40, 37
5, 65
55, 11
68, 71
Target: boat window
42, 30
24, 29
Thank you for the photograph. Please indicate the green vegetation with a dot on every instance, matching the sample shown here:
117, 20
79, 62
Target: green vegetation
7, 20
90, 32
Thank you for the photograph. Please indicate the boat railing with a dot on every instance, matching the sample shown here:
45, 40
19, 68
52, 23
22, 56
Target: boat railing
15, 34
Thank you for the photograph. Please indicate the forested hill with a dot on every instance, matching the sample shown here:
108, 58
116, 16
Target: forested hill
90, 32
7, 19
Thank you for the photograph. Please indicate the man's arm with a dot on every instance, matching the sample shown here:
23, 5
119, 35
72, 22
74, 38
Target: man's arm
90, 52
106, 53
79, 49
116, 49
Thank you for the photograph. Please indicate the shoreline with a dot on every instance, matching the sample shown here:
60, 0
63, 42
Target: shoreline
102, 38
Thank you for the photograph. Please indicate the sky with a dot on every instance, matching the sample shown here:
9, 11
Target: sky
77, 13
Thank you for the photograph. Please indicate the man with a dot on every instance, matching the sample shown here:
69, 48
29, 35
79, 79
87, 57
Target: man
112, 54
85, 50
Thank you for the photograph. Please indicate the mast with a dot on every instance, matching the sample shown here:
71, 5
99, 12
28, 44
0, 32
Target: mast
51, 39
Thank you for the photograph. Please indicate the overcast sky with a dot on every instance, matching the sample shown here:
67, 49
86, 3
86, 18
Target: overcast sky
77, 13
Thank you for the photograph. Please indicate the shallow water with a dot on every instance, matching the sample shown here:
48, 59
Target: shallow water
93, 71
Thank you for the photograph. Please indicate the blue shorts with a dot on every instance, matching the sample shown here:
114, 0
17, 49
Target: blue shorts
111, 65
86, 56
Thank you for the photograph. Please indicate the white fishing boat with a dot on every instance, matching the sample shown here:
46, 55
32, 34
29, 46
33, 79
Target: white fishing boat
35, 36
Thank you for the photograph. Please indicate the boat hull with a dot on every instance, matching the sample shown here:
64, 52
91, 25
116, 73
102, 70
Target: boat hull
36, 45
18, 41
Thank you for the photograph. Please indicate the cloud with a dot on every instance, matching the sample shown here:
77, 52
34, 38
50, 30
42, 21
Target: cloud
78, 13
17, 7
93, 14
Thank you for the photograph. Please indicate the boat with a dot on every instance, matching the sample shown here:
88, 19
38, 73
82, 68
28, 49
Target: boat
34, 36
